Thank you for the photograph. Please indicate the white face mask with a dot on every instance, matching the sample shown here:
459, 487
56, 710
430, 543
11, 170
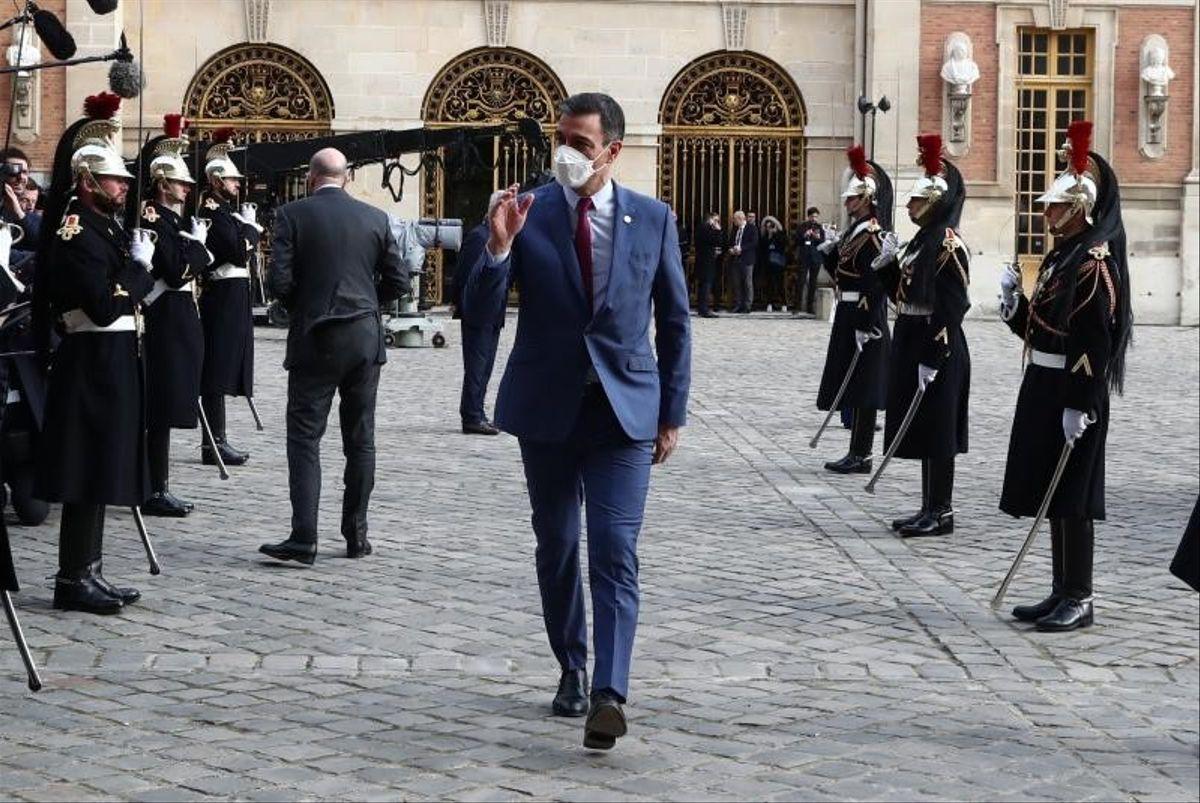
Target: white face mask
571, 168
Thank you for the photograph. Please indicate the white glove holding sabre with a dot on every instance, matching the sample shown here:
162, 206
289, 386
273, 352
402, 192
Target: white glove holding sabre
1010, 290
141, 248
1074, 422
925, 376
248, 214
889, 246
199, 231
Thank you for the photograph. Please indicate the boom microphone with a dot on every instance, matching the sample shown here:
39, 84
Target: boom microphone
125, 77
58, 40
103, 6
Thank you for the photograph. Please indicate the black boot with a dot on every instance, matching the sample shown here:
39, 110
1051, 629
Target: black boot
862, 439
898, 523
126, 594
162, 502
79, 547
1074, 610
214, 409
1031, 613
938, 519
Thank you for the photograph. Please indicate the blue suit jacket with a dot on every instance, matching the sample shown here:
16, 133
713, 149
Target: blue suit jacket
556, 341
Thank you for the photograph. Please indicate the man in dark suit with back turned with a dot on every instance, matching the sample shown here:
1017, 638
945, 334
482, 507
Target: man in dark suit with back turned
335, 262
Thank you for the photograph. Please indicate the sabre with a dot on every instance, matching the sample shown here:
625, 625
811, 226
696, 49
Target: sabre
1037, 522
141, 526
254, 412
35, 682
905, 423
812, 444
208, 434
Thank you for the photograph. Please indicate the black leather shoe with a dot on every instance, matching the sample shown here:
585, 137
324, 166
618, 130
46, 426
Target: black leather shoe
480, 428
934, 522
229, 455
165, 505
291, 550
571, 699
1031, 613
898, 523
84, 595
358, 548
850, 464
707, 314
1068, 614
605, 722
125, 594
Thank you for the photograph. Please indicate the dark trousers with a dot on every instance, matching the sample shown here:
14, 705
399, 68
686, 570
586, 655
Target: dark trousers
806, 286
80, 539
18, 445
337, 357
158, 451
1072, 544
862, 432
479, 355
601, 467
743, 285
708, 276
214, 412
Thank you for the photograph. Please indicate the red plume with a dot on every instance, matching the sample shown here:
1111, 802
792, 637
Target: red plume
102, 107
173, 125
930, 148
858, 160
1079, 134
223, 135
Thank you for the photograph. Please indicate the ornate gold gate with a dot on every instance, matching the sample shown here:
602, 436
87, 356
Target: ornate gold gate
733, 138
485, 86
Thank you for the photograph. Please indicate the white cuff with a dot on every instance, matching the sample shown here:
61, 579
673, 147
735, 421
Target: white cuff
496, 260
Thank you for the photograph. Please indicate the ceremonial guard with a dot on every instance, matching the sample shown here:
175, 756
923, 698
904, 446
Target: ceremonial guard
860, 319
174, 339
92, 277
927, 280
1076, 327
225, 301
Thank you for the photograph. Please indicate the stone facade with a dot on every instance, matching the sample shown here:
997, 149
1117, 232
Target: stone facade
378, 58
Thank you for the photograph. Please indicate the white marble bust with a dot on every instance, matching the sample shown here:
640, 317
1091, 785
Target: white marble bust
959, 69
1156, 73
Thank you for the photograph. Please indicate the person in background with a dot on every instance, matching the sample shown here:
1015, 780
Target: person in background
809, 237
710, 242
773, 248
743, 253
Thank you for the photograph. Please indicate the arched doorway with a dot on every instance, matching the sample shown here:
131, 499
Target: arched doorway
733, 138
484, 86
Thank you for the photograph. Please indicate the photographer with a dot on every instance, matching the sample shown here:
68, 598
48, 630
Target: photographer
14, 166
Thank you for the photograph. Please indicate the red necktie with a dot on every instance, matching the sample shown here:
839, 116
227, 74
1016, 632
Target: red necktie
583, 248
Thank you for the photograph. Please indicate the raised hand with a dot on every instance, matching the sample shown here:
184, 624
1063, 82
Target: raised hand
507, 219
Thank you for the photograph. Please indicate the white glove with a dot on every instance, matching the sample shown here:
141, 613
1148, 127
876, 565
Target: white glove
142, 249
199, 231
1074, 423
6, 240
862, 338
925, 376
889, 246
248, 214
830, 242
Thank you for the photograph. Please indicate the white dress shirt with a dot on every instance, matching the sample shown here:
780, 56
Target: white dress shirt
601, 216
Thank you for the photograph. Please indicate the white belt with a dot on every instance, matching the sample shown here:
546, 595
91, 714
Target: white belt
13, 396
1047, 360
849, 295
77, 321
228, 271
161, 287
922, 310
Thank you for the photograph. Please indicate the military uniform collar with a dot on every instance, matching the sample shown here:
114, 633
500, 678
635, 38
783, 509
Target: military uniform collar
869, 224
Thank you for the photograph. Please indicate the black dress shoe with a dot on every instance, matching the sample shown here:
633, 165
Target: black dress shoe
1031, 613
83, 594
298, 551
707, 314
1068, 614
605, 723
165, 505
358, 548
934, 522
480, 428
571, 699
850, 464
898, 523
229, 455
125, 594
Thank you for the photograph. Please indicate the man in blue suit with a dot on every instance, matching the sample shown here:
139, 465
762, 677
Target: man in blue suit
583, 391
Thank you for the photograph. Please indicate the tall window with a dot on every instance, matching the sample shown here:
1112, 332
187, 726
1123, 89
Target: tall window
1054, 87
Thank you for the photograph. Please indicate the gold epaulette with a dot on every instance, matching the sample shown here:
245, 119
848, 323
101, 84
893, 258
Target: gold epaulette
70, 227
149, 212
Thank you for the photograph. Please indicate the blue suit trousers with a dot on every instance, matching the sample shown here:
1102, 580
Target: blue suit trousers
479, 356
600, 468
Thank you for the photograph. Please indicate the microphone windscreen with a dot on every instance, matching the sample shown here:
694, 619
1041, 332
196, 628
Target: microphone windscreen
103, 6
58, 40
125, 78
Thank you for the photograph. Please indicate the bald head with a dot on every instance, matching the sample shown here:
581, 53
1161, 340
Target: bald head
327, 167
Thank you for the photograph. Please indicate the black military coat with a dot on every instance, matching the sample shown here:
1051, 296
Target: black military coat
1073, 312
850, 266
932, 274
174, 339
225, 304
93, 448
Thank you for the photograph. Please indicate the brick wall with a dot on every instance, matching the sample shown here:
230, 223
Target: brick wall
1177, 26
978, 21
53, 95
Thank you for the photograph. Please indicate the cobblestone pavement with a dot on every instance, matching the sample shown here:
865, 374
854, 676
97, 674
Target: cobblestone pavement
790, 645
